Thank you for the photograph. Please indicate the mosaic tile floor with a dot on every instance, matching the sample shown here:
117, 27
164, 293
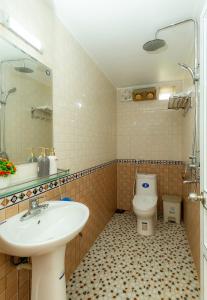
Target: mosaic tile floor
123, 265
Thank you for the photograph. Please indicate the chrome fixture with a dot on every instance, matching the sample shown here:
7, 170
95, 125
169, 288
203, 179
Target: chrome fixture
194, 197
157, 43
24, 69
10, 91
34, 209
189, 181
194, 72
179, 102
154, 45
192, 164
194, 76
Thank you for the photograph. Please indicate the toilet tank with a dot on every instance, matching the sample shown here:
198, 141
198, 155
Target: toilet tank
146, 184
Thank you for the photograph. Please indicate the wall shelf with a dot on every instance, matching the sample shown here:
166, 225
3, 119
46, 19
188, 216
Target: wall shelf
31, 184
41, 112
180, 102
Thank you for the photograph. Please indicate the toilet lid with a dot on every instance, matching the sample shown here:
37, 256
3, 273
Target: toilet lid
144, 202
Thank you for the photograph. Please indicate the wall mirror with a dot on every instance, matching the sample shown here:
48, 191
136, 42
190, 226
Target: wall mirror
26, 110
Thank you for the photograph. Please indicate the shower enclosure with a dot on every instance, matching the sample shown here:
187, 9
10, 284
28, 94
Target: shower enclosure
156, 44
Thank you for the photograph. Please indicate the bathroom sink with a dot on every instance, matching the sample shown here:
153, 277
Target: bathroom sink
44, 237
54, 227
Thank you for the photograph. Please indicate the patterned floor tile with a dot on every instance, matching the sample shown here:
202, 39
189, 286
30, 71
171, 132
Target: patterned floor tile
125, 266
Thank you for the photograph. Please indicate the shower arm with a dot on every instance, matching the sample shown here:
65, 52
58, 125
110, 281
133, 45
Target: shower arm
196, 65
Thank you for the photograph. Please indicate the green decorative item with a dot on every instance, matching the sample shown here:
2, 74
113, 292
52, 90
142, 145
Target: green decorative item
6, 168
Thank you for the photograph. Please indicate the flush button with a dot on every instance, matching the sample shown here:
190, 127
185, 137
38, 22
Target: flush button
145, 185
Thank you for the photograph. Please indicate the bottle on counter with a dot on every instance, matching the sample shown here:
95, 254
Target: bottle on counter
43, 163
32, 158
53, 162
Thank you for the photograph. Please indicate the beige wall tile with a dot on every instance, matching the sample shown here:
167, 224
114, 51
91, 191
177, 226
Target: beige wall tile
3, 296
84, 100
23, 205
148, 130
2, 284
11, 211
2, 215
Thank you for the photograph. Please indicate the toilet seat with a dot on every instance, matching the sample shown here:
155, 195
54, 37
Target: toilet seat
144, 202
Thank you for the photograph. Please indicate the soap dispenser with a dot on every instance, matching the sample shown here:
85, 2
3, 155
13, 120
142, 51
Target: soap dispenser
32, 158
53, 162
43, 163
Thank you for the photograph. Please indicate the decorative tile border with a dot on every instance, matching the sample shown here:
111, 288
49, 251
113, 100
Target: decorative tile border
26, 194
151, 162
128, 161
41, 189
160, 162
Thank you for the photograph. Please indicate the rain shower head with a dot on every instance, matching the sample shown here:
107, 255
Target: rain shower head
157, 43
24, 70
154, 45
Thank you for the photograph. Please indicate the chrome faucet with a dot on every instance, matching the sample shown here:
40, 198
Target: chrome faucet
34, 209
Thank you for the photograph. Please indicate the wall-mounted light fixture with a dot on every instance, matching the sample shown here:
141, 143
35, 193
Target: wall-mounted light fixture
13, 26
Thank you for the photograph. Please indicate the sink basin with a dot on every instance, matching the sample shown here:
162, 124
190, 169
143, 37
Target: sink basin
44, 238
55, 226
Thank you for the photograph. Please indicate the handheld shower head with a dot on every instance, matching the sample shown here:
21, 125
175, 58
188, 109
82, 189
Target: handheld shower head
11, 91
190, 70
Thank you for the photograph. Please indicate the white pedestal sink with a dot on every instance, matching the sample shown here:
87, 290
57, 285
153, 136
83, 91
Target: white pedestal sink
44, 237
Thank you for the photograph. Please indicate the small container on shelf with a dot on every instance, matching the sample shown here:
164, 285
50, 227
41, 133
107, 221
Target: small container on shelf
43, 163
32, 158
53, 162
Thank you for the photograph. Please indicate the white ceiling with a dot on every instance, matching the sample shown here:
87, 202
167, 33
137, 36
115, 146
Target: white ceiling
114, 31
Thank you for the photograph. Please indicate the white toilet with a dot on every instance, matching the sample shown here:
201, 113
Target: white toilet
145, 203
